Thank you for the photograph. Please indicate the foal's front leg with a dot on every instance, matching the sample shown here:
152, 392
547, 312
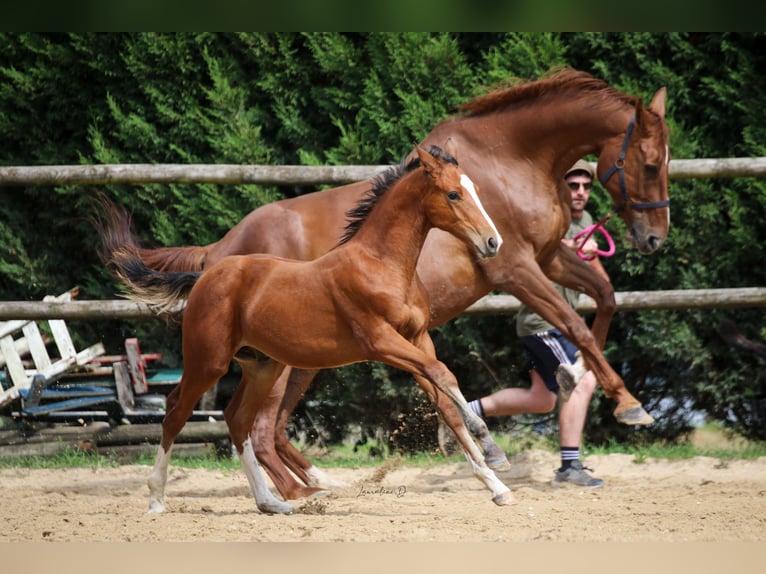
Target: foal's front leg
393, 349
494, 456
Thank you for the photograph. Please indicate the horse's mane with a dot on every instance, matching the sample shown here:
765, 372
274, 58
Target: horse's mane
559, 81
382, 183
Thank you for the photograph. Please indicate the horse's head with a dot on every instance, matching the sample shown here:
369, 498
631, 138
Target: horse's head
635, 172
453, 203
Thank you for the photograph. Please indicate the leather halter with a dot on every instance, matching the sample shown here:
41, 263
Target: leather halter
619, 167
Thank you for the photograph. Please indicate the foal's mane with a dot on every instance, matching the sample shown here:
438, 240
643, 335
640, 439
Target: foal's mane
563, 82
381, 184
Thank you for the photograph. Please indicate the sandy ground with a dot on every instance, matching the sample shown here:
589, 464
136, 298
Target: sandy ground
698, 500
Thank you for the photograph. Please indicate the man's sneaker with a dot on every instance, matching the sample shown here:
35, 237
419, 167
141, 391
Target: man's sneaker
447, 440
568, 376
577, 474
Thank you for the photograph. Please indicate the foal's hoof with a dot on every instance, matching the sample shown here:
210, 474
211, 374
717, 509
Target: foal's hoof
498, 463
276, 507
504, 499
634, 416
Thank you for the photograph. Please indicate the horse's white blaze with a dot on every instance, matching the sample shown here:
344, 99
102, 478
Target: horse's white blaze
467, 183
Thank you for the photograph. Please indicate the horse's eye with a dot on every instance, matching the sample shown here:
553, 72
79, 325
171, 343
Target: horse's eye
453, 195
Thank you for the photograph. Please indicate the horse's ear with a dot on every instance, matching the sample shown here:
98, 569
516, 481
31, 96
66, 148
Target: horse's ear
450, 147
429, 162
657, 105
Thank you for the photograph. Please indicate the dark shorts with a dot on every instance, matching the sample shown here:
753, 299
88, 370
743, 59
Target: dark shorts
545, 352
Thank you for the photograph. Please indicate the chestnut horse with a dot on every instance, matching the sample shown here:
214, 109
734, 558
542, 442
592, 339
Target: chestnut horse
361, 301
517, 143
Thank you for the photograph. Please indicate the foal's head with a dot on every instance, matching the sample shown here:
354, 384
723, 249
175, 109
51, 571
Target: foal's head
452, 201
449, 198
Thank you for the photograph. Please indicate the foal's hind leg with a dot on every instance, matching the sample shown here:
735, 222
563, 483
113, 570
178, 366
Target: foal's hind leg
265, 436
180, 404
297, 385
258, 377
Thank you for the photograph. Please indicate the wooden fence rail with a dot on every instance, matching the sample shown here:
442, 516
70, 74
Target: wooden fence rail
295, 174
489, 305
313, 175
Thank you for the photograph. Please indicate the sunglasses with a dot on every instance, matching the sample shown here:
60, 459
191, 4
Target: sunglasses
574, 185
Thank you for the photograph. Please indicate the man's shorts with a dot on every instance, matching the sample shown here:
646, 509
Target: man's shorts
545, 352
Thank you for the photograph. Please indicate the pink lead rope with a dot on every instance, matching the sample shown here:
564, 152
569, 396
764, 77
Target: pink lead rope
588, 232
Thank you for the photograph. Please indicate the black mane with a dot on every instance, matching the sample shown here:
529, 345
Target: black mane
382, 183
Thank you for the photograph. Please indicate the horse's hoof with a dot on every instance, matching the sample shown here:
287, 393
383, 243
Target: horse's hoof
498, 464
634, 416
504, 499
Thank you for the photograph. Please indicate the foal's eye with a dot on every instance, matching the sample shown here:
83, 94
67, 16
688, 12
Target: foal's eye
453, 195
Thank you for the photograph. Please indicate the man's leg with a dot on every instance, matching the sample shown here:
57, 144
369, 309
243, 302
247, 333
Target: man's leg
572, 415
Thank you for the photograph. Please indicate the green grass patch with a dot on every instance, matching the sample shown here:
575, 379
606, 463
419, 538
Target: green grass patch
710, 441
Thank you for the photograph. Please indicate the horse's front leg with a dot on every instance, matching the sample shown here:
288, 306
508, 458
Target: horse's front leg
534, 289
391, 348
566, 269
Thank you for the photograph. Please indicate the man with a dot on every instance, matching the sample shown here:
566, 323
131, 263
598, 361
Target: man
550, 357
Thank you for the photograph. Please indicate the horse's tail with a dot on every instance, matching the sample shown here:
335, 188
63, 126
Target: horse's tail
113, 226
163, 291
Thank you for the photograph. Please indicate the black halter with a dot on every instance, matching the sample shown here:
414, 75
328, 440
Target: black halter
619, 167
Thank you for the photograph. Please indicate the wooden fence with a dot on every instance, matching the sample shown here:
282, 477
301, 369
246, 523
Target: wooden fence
314, 175
489, 305
295, 174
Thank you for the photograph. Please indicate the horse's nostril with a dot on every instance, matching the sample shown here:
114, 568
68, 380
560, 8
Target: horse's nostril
654, 242
492, 243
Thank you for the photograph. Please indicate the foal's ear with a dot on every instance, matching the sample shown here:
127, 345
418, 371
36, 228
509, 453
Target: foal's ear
429, 162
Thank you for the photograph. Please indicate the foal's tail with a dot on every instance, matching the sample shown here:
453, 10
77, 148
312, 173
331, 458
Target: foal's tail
163, 291
112, 224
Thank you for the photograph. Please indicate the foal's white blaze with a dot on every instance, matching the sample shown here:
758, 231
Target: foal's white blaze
467, 183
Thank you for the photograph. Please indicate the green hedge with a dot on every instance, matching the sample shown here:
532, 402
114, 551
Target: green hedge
333, 98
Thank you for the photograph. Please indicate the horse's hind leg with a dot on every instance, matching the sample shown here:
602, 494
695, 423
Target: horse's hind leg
257, 381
